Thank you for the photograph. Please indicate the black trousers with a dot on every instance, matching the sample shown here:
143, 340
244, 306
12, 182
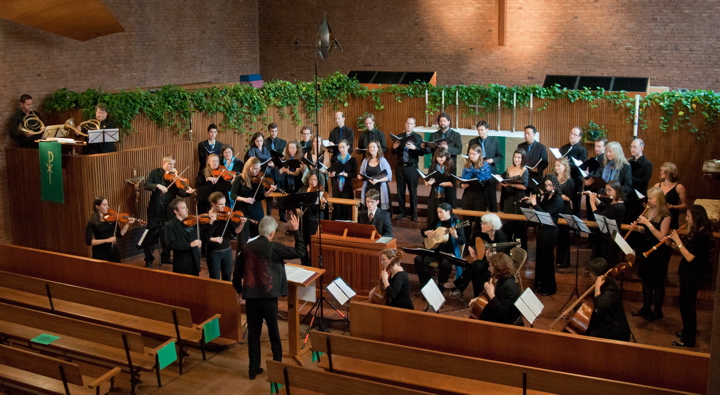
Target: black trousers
478, 274
154, 235
687, 301
545, 259
422, 268
407, 176
258, 309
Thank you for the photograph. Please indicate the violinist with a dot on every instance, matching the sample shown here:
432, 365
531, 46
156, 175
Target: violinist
209, 146
248, 191
695, 249
230, 160
207, 182
395, 280
182, 238
608, 320
313, 214
653, 269
101, 234
502, 291
216, 234
551, 202
605, 246
292, 176
163, 191
343, 179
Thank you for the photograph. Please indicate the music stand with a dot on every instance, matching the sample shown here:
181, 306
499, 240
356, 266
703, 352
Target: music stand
577, 225
103, 136
539, 217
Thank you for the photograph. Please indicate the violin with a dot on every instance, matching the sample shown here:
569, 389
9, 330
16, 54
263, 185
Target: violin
223, 172
192, 220
266, 182
177, 180
324, 196
123, 218
233, 216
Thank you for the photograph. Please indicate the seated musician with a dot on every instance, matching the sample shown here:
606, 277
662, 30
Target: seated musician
501, 292
395, 280
478, 273
455, 240
608, 320
374, 216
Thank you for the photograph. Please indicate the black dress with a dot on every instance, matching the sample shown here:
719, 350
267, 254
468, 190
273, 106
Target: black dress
563, 248
604, 245
448, 194
672, 197
100, 231
398, 292
653, 269
343, 211
510, 199
254, 211
608, 320
501, 308
546, 241
692, 275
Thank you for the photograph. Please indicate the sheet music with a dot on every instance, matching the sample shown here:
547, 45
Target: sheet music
611, 225
577, 162
602, 224
337, 293
545, 218
581, 224
384, 239
498, 177
624, 246
308, 293
530, 214
297, 274
433, 295
142, 238
639, 195
556, 152
529, 305
583, 173
328, 144
344, 287
569, 219
252, 239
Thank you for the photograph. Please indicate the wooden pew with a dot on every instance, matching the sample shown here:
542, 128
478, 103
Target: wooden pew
435, 371
606, 359
79, 340
157, 320
321, 382
29, 371
204, 297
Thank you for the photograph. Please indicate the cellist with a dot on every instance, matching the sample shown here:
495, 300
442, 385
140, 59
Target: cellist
608, 320
394, 280
501, 292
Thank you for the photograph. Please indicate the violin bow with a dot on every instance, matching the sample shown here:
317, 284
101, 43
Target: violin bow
179, 175
117, 219
260, 183
197, 222
227, 221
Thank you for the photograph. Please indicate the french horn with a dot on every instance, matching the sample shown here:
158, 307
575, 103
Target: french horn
90, 124
31, 124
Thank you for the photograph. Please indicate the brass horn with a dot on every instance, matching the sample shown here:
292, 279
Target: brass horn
90, 124
31, 124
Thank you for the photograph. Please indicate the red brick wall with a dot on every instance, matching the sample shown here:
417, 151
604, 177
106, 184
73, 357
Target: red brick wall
165, 42
674, 43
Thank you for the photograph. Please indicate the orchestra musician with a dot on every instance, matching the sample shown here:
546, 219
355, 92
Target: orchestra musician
216, 235
456, 238
608, 320
491, 155
312, 215
101, 114
343, 179
209, 146
695, 249
605, 246
453, 138
228, 159
373, 164
395, 280
24, 139
552, 203
206, 183
183, 240
163, 191
513, 191
675, 193
248, 192
442, 185
406, 167
502, 291
371, 133
102, 235
373, 215
567, 186
653, 269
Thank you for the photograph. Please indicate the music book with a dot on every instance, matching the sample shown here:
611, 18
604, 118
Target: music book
597, 183
297, 274
576, 223
499, 178
306, 148
639, 195
536, 165
275, 154
576, 162
465, 180
529, 305
290, 163
308, 162
337, 167
606, 225
340, 290
433, 144
556, 152
377, 176
426, 177
433, 295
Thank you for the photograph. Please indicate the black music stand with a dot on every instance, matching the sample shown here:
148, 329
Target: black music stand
577, 225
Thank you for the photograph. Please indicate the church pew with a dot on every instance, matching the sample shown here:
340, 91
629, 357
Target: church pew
31, 372
152, 319
320, 382
202, 296
83, 341
435, 371
606, 359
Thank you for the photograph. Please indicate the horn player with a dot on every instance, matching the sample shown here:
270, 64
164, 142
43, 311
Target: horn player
101, 114
25, 139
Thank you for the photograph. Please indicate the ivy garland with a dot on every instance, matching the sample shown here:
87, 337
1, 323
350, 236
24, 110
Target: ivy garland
173, 106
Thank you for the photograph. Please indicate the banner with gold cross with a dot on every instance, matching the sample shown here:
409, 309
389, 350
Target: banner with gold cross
51, 180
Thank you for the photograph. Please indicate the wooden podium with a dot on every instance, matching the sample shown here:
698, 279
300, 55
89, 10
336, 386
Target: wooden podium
350, 251
294, 311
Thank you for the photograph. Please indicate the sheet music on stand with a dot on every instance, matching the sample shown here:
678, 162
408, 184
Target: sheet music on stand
529, 305
576, 223
297, 274
340, 290
539, 217
606, 224
103, 136
433, 295
624, 246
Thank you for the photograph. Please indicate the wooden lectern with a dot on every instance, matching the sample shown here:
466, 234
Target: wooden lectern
350, 251
294, 310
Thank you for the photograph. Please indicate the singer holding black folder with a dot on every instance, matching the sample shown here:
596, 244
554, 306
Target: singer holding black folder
441, 183
373, 165
407, 156
575, 149
537, 157
342, 171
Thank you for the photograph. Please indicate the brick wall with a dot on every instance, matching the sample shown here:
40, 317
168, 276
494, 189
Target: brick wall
674, 43
165, 42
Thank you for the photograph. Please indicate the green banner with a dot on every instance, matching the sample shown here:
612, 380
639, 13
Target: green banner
51, 180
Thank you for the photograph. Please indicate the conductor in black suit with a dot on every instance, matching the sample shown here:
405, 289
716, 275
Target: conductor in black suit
491, 155
452, 137
273, 142
209, 146
375, 216
535, 152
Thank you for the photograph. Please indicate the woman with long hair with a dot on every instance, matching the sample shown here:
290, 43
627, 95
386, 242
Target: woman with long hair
101, 234
442, 186
550, 201
473, 196
320, 158
675, 193
604, 245
293, 175
216, 234
249, 192
373, 164
653, 268
616, 167
695, 249
258, 150
207, 183
343, 179
514, 189
502, 291
567, 186
395, 280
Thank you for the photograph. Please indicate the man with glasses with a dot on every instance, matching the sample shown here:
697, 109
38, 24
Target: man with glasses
575, 149
641, 173
371, 133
